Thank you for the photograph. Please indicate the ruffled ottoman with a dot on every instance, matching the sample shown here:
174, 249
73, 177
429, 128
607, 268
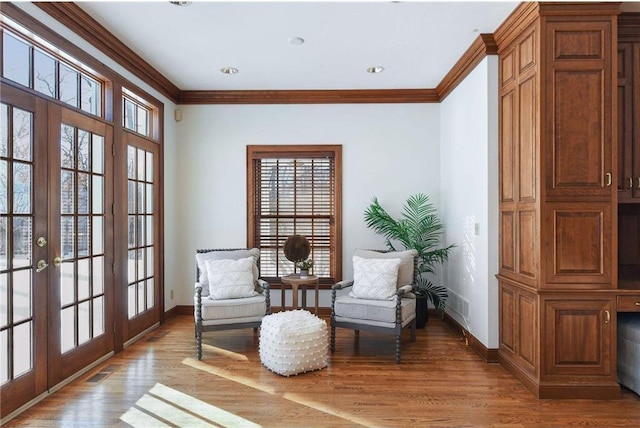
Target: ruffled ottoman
293, 342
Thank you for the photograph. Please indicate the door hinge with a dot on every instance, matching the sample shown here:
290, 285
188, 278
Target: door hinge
113, 208
113, 150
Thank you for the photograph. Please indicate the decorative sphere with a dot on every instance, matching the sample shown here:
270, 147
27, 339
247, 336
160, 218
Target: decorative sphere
296, 248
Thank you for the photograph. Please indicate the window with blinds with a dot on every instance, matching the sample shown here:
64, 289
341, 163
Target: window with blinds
295, 190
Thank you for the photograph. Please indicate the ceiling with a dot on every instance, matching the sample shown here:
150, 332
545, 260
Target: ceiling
416, 42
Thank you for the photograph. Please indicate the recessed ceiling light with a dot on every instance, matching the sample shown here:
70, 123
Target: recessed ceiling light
181, 3
229, 70
296, 40
375, 69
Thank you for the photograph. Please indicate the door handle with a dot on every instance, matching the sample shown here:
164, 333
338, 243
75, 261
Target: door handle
57, 261
630, 183
607, 317
608, 179
638, 182
42, 265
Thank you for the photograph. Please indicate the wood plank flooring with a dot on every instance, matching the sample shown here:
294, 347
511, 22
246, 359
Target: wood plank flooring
158, 381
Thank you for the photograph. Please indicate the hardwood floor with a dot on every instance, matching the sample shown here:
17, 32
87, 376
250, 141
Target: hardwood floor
159, 382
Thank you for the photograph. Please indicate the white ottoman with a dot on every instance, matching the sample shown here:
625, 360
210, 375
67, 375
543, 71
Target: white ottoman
293, 342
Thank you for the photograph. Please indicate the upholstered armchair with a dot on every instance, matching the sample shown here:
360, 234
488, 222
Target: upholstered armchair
228, 292
379, 298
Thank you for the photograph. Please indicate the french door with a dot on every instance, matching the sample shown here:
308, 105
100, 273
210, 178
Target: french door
23, 215
81, 242
144, 298
56, 244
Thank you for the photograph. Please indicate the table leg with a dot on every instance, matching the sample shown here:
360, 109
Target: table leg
304, 296
294, 291
284, 307
317, 294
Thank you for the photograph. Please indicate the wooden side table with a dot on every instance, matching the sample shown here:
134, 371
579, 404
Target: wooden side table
295, 282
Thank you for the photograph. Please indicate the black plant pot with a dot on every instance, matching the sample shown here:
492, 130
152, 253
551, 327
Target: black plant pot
422, 314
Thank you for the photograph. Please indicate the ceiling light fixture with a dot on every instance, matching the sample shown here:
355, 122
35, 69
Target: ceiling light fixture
375, 69
181, 3
296, 40
229, 70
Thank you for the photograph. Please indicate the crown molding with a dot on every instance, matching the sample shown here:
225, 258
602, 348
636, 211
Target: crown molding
77, 20
629, 26
333, 96
481, 47
81, 23
521, 17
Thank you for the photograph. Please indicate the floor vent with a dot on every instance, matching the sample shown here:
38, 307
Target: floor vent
98, 377
104, 372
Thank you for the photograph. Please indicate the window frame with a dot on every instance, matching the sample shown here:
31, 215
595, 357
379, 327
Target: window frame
256, 152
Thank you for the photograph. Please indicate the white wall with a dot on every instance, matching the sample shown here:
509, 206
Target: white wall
469, 185
170, 140
389, 150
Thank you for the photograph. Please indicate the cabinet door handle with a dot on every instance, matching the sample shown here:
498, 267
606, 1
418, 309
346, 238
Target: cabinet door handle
630, 183
607, 317
608, 179
638, 182
637, 303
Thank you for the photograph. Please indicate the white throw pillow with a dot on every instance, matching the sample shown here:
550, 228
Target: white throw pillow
230, 279
405, 271
375, 279
202, 259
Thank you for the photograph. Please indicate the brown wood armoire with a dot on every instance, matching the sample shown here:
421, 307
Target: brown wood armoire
559, 180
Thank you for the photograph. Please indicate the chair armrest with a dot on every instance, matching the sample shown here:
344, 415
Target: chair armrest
341, 285
404, 289
198, 288
263, 284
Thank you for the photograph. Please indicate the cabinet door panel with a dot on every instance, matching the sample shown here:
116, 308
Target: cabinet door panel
578, 337
580, 246
576, 158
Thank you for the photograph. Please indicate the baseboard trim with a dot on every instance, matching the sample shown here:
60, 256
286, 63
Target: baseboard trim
559, 390
170, 314
488, 355
184, 310
529, 382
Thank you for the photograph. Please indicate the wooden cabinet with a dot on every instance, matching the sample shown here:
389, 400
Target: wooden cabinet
629, 108
579, 245
577, 108
629, 303
578, 337
558, 212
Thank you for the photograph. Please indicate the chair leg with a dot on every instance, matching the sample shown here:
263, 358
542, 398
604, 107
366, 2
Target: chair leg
398, 347
333, 339
199, 344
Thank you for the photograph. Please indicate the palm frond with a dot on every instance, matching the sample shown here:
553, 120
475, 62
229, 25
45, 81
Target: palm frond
418, 228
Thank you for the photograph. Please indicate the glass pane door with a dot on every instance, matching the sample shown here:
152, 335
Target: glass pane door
143, 299
82, 236
23, 354
82, 241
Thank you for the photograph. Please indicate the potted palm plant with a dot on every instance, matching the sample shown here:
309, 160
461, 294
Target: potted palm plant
418, 228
